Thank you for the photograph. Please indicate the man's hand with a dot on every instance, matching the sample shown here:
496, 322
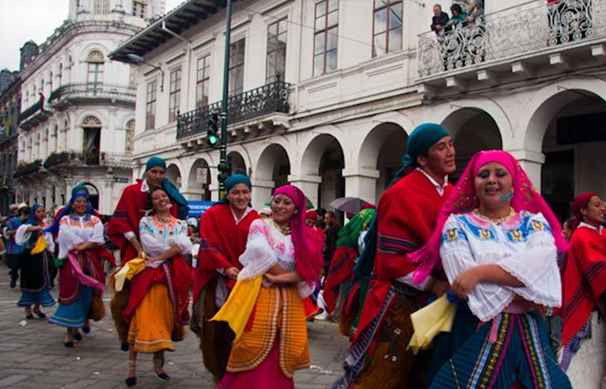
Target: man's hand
232, 272
465, 282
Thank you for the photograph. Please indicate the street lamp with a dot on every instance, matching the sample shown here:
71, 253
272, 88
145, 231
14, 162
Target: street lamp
137, 60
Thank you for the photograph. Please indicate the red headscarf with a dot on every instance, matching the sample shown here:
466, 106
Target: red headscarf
464, 199
580, 202
311, 214
308, 249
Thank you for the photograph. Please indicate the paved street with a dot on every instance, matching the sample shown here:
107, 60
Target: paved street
33, 355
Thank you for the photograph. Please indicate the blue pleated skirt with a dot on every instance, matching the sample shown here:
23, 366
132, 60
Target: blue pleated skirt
43, 298
74, 315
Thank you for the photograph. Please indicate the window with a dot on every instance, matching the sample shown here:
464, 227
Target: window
60, 74
130, 136
175, 94
139, 8
326, 30
50, 81
387, 27
202, 80
276, 51
236, 67
101, 7
150, 105
95, 62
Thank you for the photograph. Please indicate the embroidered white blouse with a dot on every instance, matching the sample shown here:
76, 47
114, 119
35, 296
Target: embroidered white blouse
75, 229
22, 236
523, 246
157, 237
267, 246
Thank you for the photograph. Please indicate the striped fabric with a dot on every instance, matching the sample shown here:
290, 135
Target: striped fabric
392, 245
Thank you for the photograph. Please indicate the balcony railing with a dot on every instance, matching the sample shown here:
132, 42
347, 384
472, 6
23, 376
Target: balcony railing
269, 98
26, 169
30, 111
516, 31
90, 90
62, 159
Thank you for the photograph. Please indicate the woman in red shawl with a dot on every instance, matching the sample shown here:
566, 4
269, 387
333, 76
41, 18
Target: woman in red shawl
584, 275
284, 257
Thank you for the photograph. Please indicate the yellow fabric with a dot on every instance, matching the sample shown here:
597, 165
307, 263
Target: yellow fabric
239, 305
152, 324
429, 321
40, 246
278, 315
128, 271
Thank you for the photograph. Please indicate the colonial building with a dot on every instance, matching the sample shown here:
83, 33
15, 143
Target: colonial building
77, 120
10, 106
324, 92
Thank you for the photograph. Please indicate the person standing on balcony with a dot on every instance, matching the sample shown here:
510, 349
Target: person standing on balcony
223, 232
405, 219
439, 20
123, 226
457, 18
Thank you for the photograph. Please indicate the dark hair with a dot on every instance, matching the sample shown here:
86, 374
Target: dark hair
149, 197
456, 7
24, 211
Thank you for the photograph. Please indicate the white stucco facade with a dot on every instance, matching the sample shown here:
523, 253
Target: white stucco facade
77, 117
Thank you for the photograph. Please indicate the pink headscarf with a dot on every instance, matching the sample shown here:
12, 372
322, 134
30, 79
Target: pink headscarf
464, 199
308, 250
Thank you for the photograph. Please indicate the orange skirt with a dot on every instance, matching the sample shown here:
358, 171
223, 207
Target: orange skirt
152, 324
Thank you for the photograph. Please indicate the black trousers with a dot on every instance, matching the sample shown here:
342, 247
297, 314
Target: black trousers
14, 263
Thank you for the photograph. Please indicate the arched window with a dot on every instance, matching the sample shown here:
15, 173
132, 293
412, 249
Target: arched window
91, 122
130, 136
101, 7
95, 62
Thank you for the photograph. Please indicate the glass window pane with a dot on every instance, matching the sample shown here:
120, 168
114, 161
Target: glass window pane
332, 39
381, 3
333, 5
320, 43
320, 24
320, 8
380, 21
272, 29
331, 61
395, 16
379, 44
333, 18
319, 64
395, 39
282, 26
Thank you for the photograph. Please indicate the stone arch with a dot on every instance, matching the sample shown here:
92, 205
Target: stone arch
173, 173
200, 178
94, 194
91, 121
237, 162
273, 165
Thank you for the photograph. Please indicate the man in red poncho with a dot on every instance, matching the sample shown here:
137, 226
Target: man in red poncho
584, 274
223, 234
406, 215
123, 227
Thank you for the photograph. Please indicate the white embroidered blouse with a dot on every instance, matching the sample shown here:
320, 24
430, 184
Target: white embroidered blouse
75, 230
22, 236
267, 246
157, 237
523, 246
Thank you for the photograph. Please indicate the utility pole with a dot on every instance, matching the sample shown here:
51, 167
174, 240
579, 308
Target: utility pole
224, 168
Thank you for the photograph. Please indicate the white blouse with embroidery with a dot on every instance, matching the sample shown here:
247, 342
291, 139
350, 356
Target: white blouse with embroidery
523, 246
157, 237
75, 230
267, 246
22, 236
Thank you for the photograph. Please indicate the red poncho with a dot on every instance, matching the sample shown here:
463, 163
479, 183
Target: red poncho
129, 211
91, 263
406, 215
340, 271
583, 279
222, 241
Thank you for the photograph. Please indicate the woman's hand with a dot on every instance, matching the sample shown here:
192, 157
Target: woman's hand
232, 273
271, 278
465, 282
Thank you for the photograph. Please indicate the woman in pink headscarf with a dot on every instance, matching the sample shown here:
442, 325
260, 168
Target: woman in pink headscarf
286, 252
497, 241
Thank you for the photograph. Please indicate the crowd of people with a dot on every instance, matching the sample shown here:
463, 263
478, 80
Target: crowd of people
460, 15
487, 251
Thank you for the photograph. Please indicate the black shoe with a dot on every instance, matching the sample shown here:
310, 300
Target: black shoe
69, 344
40, 314
13, 284
29, 316
163, 376
124, 346
77, 336
86, 329
131, 381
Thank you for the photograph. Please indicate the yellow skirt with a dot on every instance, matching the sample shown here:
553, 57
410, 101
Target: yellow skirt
152, 324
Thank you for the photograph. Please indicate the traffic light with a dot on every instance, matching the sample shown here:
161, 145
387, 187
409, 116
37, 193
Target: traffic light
224, 170
212, 136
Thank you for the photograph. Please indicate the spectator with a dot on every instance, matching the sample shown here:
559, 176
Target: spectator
458, 16
439, 19
332, 232
474, 12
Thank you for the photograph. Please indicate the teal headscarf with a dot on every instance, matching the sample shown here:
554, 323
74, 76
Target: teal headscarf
234, 180
170, 188
419, 143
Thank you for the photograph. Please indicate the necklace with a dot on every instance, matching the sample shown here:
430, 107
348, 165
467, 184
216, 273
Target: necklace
164, 220
284, 229
495, 220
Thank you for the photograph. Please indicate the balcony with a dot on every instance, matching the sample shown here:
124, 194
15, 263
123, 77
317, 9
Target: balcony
57, 161
33, 116
65, 95
267, 104
26, 169
526, 39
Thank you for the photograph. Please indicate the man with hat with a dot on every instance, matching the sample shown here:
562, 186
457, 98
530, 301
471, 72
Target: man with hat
223, 234
405, 219
123, 225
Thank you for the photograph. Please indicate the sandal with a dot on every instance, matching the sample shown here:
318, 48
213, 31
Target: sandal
68, 342
40, 314
28, 314
158, 368
131, 380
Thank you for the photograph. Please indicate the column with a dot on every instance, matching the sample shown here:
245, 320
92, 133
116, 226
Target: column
308, 184
261, 192
531, 162
214, 183
362, 183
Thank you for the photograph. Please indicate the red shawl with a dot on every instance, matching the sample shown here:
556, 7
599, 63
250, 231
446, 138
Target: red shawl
583, 279
340, 271
129, 211
91, 263
180, 283
222, 241
407, 213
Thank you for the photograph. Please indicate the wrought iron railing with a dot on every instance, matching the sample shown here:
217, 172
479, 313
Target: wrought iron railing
92, 90
25, 169
88, 158
30, 111
515, 31
269, 98
56, 159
